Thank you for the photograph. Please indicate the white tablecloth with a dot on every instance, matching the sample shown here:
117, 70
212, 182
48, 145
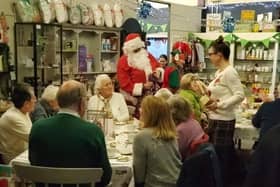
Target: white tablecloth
122, 171
245, 135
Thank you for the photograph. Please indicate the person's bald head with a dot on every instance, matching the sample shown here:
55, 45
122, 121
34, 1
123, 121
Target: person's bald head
70, 94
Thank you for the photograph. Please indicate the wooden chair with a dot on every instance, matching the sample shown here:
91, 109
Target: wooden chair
51, 175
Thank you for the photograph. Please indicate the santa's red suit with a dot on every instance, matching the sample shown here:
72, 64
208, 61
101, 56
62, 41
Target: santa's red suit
131, 78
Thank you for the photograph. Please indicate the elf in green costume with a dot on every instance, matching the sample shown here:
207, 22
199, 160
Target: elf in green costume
173, 72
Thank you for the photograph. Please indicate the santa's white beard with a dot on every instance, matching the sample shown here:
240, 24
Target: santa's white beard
140, 60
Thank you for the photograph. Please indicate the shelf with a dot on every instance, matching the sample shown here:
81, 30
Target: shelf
90, 73
104, 72
207, 70
47, 67
25, 46
253, 60
109, 52
67, 51
68, 26
256, 82
253, 72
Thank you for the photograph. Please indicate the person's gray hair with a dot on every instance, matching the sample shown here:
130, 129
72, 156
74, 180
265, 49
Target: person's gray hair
71, 93
98, 82
180, 109
163, 93
49, 93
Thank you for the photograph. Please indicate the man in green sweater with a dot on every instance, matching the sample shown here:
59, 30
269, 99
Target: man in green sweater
66, 140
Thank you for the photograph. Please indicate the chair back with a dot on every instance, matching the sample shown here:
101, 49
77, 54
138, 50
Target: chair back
51, 175
201, 169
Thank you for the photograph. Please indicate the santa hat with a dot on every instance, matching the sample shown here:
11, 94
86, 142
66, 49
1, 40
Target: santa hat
181, 51
132, 41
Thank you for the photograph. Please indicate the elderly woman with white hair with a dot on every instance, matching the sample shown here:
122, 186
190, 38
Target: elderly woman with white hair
105, 99
47, 106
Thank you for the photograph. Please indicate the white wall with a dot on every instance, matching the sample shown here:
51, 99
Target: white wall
184, 19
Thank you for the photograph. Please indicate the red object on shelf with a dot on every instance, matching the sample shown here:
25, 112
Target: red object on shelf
4, 183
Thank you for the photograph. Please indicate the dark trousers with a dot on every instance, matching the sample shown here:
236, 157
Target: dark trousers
221, 135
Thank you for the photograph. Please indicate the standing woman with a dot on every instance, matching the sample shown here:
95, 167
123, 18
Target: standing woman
226, 93
163, 61
156, 158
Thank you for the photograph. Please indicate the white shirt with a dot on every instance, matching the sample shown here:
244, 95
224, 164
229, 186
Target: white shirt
117, 103
227, 88
15, 128
68, 111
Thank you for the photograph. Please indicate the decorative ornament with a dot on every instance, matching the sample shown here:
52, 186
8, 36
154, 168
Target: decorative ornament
144, 10
228, 24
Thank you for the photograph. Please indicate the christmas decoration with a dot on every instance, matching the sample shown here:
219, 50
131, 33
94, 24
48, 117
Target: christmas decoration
228, 24
144, 10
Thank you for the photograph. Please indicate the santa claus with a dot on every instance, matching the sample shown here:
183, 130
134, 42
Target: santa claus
135, 66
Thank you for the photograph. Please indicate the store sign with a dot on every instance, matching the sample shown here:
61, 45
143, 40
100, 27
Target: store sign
213, 22
247, 15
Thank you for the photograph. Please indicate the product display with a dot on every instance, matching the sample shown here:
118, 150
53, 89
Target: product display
75, 15
81, 58
38, 63
60, 11
118, 15
46, 11
108, 16
97, 14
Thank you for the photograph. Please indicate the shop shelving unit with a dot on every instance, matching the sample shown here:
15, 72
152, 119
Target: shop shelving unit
36, 58
257, 65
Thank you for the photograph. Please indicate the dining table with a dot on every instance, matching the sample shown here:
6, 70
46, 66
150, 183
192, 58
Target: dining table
122, 173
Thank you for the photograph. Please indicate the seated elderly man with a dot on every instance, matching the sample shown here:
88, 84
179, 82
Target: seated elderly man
47, 106
15, 123
66, 140
107, 100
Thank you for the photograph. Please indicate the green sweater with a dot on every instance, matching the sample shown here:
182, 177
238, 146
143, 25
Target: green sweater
193, 99
173, 77
65, 140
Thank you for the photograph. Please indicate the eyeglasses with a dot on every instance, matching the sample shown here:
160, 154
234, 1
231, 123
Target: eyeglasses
137, 50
